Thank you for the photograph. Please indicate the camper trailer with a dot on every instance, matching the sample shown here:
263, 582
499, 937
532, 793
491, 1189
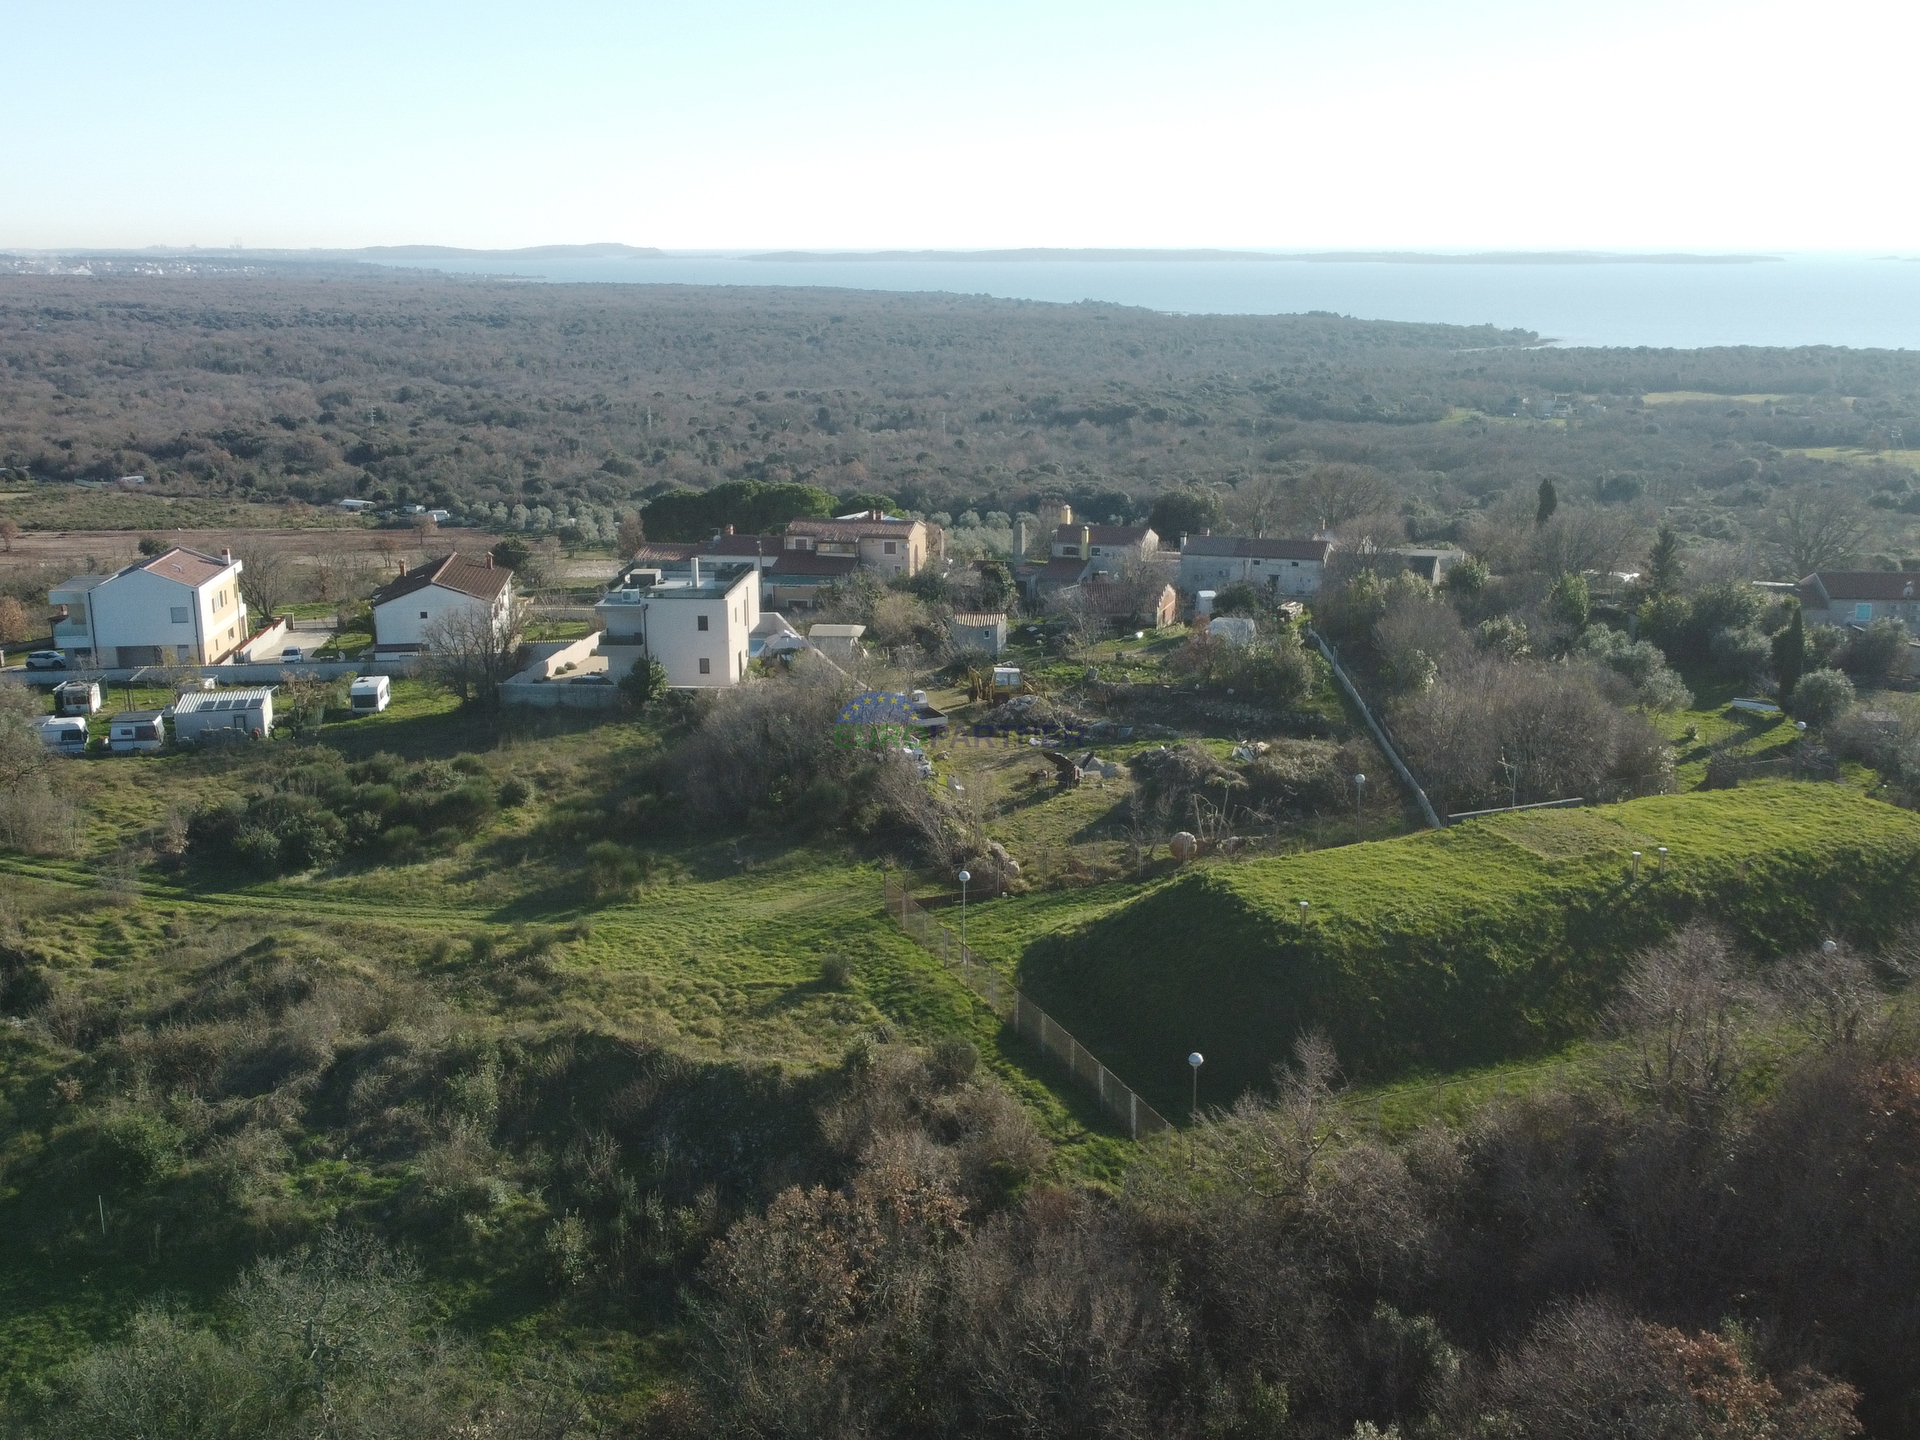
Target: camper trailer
136, 732
76, 697
370, 694
63, 734
223, 714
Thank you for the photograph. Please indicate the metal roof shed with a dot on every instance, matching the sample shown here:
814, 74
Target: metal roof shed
250, 711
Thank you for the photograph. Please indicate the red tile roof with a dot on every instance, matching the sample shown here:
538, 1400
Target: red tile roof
1103, 534
479, 578
189, 567
1863, 584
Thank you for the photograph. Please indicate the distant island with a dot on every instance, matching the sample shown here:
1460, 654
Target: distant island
1327, 257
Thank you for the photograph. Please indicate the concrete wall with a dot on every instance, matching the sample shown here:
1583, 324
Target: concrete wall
268, 644
398, 666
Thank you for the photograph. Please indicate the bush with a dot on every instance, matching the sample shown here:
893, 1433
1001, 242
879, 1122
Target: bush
836, 971
1822, 696
514, 792
1742, 654
1874, 652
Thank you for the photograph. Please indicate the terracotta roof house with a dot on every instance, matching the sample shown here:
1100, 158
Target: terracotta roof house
879, 542
1858, 597
406, 610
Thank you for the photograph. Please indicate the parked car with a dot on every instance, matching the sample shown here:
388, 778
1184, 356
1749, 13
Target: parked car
46, 660
292, 655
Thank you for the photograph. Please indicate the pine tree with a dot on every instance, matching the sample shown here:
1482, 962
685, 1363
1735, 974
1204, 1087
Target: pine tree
1664, 564
1549, 502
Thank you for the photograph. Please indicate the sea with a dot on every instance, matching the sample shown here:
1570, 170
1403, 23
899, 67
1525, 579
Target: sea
1798, 299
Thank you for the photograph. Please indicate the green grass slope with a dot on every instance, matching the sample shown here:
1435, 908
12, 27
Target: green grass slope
1491, 940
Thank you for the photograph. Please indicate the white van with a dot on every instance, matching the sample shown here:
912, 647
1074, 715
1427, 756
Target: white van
369, 695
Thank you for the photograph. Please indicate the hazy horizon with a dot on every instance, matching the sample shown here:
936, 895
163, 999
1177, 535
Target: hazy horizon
1384, 125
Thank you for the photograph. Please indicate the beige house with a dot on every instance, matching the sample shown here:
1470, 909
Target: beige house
1104, 549
406, 610
697, 623
181, 607
880, 543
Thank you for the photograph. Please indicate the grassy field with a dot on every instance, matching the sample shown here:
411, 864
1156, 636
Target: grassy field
72, 507
1485, 942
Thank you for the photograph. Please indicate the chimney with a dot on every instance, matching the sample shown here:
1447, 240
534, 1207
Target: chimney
1183, 539
1086, 542
696, 572
489, 559
729, 529
227, 555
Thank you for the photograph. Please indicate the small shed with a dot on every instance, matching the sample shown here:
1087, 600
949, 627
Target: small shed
249, 711
1234, 629
135, 731
979, 631
76, 697
840, 642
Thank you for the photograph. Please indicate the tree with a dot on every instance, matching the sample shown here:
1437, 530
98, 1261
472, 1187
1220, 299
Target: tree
632, 534
152, 545
513, 552
1331, 495
1790, 654
471, 650
266, 580
1549, 502
9, 532
1569, 601
645, 683
1818, 528
1822, 696
1183, 512
13, 621
1664, 563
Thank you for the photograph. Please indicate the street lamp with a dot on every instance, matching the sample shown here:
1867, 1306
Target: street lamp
1359, 782
964, 878
1196, 1060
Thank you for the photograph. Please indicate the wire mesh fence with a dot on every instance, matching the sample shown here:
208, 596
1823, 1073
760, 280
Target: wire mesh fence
1027, 1018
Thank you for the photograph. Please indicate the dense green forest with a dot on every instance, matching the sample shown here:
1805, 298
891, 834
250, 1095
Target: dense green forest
481, 396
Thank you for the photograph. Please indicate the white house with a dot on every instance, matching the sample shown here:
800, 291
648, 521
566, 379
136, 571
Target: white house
180, 607
248, 711
1279, 567
1859, 597
1103, 549
699, 625
406, 610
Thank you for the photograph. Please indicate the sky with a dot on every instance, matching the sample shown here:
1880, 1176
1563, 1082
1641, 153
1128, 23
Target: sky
1681, 124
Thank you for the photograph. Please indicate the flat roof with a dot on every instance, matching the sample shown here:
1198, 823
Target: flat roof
194, 702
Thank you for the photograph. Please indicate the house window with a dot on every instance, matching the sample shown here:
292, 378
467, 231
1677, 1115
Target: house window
700, 623
1863, 611
423, 614
706, 665
179, 614
890, 547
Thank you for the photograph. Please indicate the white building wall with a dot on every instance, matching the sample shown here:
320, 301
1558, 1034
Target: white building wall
408, 619
1285, 577
669, 623
138, 609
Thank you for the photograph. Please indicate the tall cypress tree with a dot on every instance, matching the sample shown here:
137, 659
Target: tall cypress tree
1663, 563
1549, 502
1790, 655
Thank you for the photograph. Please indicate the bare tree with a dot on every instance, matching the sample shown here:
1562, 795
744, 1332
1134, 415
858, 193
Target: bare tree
1818, 527
1261, 505
1683, 1006
471, 650
9, 532
1334, 494
267, 582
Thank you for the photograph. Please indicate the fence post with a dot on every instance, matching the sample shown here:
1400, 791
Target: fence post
1133, 1116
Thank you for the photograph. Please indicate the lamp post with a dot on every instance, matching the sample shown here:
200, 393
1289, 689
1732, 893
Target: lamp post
964, 878
1359, 783
1195, 1060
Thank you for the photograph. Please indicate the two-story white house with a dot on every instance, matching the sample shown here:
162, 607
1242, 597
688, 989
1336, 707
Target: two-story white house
407, 610
181, 607
1104, 549
698, 623
1279, 567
